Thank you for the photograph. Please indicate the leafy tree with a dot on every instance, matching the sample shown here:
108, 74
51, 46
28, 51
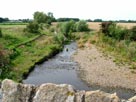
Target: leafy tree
40, 17
50, 18
3, 19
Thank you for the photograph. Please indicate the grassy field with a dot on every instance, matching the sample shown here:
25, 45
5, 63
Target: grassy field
26, 49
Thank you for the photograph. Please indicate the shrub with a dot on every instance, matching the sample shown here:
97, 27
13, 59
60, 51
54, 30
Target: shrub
117, 32
110, 29
133, 33
0, 33
59, 38
4, 61
105, 27
32, 27
67, 28
132, 50
82, 26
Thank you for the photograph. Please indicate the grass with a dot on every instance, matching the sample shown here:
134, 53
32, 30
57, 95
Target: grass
123, 51
14, 35
26, 49
85, 37
32, 54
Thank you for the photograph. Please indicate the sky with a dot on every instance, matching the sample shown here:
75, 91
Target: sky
83, 9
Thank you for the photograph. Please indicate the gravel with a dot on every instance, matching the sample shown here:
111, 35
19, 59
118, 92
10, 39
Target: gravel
95, 68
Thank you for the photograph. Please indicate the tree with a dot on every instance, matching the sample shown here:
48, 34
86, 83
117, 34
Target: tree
40, 17
67, 19
98, 20
3, 19
50, 18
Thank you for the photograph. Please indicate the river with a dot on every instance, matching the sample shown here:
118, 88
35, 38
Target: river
61, 69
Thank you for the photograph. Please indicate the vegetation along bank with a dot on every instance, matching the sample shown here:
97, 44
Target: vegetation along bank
24, 45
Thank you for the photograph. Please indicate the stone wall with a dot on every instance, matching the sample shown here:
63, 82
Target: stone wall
17, 92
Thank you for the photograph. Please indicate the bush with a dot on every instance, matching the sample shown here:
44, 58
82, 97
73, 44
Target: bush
117, 32
82, 26
32, 27
105, 27
0, 33
67, 28
133, 34
4, 61
110, 29
132, 50
59, 38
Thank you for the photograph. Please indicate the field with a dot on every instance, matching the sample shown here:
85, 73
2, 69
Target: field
25, 49
96, 25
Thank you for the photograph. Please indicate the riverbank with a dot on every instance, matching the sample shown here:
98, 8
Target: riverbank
23, 50
33, 53
95, 68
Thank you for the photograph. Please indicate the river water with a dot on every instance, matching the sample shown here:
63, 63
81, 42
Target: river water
61, 69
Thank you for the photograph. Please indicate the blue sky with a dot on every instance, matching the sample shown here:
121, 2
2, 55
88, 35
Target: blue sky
83, 9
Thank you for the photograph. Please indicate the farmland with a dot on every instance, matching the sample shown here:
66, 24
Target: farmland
96, 25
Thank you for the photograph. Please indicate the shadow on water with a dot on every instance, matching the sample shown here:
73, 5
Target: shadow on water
61, 69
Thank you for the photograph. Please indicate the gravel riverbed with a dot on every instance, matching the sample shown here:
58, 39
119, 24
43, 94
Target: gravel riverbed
95, 68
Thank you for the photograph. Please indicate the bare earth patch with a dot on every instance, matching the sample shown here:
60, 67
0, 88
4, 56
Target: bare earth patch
95, 68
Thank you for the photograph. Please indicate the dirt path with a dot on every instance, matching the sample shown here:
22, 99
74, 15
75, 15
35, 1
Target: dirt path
98, 69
